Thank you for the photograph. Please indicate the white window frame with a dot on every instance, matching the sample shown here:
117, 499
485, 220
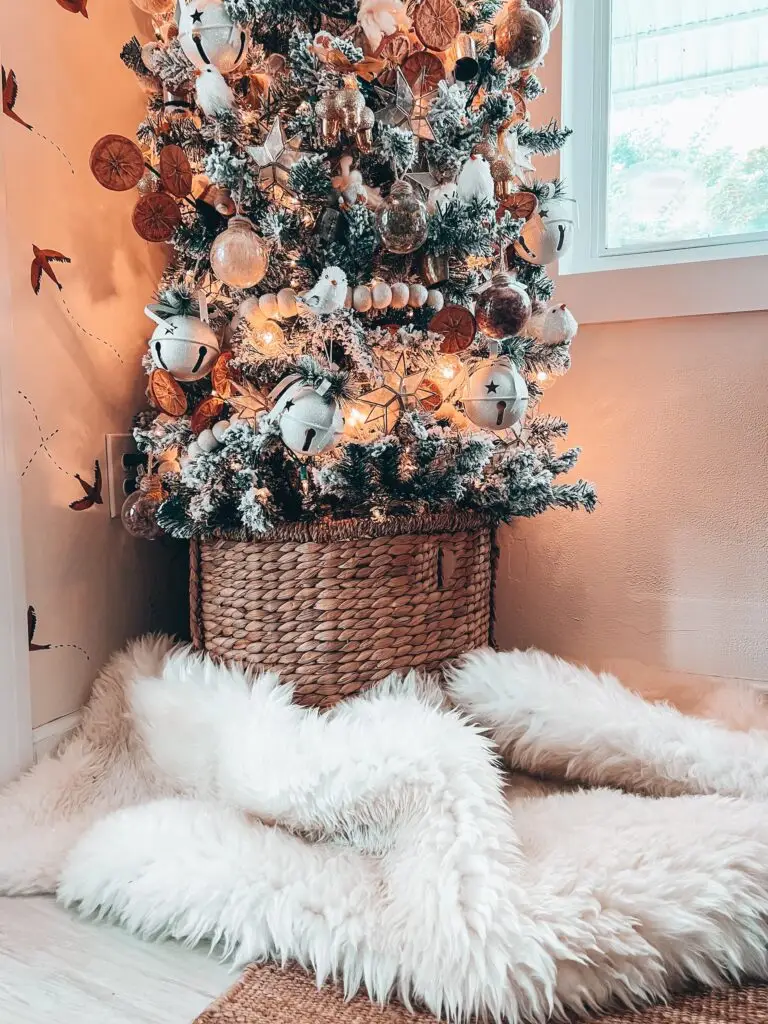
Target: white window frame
683, 279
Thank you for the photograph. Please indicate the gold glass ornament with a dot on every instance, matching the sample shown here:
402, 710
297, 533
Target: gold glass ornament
364, 133
139, 511
402, 219
503, 175
522, 35
349, 104
239, 257
328, 116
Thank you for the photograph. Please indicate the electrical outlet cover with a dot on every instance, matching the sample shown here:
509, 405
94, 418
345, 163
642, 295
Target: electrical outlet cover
118, 474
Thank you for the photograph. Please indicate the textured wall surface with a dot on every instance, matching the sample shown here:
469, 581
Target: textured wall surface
671, 573
91, 585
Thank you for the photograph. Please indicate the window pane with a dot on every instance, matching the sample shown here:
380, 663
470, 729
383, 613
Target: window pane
689, 121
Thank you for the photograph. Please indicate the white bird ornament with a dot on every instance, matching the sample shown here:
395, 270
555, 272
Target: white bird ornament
327, 296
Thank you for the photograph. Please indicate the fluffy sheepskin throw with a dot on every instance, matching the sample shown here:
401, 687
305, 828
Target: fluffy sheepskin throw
382, 844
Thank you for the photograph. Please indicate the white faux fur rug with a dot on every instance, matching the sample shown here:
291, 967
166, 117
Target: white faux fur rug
378, 843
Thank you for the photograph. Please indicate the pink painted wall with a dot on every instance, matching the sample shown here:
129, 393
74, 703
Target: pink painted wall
92, 586
670, 575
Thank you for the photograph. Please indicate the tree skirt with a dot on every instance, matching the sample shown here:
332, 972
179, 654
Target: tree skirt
269, 995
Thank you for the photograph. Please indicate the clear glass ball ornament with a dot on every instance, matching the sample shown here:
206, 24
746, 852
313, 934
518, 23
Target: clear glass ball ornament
139, 511
402, 220
239, 258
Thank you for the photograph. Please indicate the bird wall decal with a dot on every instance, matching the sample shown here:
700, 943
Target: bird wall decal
10, 95
31, 627
92, 491
74, 6
41, 264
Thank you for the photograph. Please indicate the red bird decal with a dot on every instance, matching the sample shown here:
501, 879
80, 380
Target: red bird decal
74, 6
10, 94
31, 627
42, 264
92, 492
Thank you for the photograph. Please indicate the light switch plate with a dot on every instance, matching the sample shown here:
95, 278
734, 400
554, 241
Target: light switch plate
122, 469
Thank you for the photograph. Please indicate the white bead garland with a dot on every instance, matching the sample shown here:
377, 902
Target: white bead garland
363, 298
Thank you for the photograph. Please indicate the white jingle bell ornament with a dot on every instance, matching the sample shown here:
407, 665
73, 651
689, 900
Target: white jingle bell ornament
208, 36
497, 396
185, 346
310, 422
547, 237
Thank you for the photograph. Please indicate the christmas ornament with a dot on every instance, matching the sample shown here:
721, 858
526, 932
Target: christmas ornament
175, 171
275, 157
560, 326
457, 326
401, 390
220, 199
353, 189
176, 104
393, 52
268, 339
214, 95
349, 104
223, 376
328, 116
380, 18
247, 403
400, 295
183, 345
449, 374
362, 300
550, 10
522, 35
154, 7
239, 258
467, 66
503, 308
423, 70
475, 180
503, 177
209, 37
206, 414
149, 183
364, 131
521, 205
548, 236
497, 396
417, 296
117, 163
310, 423
327, 295
139, 511
435, 269
156, 217
437, 23
408, 106
166, 394
41, 264
402, 219
381, 295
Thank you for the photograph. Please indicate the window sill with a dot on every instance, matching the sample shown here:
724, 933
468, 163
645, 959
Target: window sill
683, 289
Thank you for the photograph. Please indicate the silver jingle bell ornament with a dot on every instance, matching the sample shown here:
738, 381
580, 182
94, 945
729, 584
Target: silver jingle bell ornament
184, 346
547, 237
208, 36
497, 396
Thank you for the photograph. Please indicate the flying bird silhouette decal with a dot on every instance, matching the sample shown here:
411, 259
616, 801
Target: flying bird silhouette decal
92, 491
31, 627
41, 264
74, 6
10, 95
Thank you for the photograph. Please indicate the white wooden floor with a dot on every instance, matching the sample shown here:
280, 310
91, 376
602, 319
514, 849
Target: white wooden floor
54, 967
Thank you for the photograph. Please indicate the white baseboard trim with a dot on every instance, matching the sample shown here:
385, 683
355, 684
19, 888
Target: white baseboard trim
47, 737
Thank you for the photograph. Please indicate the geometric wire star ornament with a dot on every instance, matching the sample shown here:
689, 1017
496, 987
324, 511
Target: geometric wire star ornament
275, 158
408, 107
401, 390
423, 179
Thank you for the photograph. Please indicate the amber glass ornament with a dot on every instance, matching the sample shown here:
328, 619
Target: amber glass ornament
402, 219
139, 511
239, 257
522, 35
503, 308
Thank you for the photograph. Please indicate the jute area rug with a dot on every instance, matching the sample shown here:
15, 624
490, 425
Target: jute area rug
269, 995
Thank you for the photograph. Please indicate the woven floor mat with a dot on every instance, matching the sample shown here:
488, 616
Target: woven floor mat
269, 995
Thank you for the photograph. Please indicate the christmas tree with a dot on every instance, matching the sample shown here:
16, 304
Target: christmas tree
354, 320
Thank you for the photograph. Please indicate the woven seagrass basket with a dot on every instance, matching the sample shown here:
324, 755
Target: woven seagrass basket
334, 607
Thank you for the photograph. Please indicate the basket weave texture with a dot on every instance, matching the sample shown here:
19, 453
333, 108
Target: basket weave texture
270, 995
334, 607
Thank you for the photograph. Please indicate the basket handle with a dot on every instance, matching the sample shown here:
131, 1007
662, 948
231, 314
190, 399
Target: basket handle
446, 566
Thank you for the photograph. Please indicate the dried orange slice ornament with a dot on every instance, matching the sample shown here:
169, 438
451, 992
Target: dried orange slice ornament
222, 376
423, 71
167, 393
206, 414
156, 217
457, 326
394, 50
175, 171
429, 396
437, 23
522, 206
117, 163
